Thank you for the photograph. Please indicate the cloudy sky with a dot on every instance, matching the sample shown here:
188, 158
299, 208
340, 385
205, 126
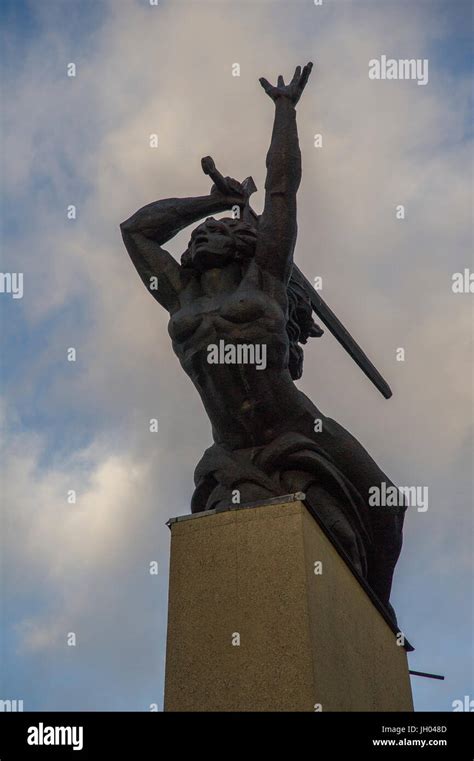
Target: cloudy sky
84, 425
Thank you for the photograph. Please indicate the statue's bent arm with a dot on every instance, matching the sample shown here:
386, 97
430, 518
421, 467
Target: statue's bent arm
145, 232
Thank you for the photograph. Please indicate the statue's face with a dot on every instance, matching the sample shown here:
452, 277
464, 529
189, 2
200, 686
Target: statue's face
212, 245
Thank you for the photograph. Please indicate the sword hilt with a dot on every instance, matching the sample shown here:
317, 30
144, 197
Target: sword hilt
248, 185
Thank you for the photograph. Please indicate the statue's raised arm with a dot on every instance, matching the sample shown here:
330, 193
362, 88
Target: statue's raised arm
277, 228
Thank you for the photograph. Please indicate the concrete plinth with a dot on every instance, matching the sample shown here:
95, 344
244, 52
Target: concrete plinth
252, 627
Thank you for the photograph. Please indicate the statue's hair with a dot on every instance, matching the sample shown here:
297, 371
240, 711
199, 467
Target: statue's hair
300, 325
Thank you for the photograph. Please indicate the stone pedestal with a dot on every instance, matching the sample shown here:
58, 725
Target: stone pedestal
265, 615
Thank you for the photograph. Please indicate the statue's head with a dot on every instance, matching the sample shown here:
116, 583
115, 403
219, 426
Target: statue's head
217, 242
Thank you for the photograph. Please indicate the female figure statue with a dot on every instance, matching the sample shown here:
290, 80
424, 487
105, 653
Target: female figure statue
234, 285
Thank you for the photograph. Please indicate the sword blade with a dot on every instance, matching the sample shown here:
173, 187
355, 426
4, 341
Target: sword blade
335, 326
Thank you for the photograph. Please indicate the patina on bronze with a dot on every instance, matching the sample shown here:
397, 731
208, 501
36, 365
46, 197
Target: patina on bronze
237, 286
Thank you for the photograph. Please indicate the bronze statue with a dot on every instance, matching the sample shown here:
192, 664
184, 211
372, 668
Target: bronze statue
239, 312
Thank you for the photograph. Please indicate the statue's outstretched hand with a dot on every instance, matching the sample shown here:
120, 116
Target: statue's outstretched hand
293, 90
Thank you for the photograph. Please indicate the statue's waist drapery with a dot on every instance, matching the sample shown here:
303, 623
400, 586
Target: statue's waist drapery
293, 462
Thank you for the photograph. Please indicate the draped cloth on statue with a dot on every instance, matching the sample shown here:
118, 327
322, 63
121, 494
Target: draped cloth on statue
370, 536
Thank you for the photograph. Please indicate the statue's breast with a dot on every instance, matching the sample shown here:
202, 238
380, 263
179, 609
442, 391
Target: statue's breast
246, 307
183, 324
219, 315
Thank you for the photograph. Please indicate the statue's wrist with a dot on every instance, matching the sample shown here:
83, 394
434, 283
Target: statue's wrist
285, 103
